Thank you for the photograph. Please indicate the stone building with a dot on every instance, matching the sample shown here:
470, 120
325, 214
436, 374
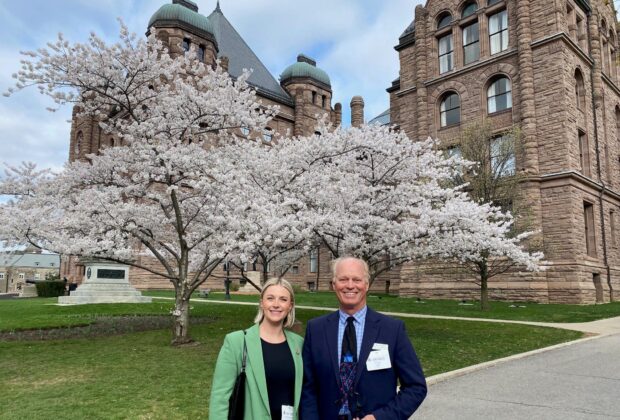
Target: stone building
551, 68
303, 95
20, 267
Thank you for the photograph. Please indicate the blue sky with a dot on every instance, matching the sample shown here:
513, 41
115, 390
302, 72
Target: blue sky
352, 40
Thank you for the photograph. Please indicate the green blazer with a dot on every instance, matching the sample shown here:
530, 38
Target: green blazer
228, 367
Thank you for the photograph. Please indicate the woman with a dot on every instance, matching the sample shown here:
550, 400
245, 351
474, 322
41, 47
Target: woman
273, 368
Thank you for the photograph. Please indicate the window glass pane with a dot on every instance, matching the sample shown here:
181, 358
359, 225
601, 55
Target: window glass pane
471, 45
472, 53
445, 44
492, 2
444, 21
470, 34
498, 32
450, 110
445, 54
469, 10
499, 95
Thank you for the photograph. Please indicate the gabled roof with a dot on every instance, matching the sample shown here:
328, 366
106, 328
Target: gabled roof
30, 260
240, 56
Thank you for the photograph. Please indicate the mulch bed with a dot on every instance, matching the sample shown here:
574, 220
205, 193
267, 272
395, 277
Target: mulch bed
102, 326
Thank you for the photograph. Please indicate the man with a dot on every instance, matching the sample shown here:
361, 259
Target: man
355, 358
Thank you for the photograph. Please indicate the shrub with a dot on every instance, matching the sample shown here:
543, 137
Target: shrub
50, 288
52, 276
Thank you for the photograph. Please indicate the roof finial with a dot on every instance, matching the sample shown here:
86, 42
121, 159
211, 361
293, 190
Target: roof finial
217, 8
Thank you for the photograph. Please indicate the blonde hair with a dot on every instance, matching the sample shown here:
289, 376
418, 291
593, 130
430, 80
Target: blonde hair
290, 318
334, 266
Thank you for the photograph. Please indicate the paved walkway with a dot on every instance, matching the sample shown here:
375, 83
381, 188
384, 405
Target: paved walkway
580, 381
604, 326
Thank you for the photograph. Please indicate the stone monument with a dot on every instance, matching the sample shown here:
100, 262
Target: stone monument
104, 282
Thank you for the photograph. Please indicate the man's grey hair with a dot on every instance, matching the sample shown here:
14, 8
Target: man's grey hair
334, 266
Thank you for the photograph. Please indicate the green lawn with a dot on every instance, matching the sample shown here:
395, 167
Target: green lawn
140, 376
499, 310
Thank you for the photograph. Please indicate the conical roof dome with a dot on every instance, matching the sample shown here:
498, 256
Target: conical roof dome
184, 11
305, 67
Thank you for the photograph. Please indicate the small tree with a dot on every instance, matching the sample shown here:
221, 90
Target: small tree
495, 180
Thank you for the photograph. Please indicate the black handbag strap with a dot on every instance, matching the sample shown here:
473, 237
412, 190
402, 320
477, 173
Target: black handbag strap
245, 354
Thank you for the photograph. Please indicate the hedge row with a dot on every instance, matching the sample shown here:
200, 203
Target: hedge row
50, 288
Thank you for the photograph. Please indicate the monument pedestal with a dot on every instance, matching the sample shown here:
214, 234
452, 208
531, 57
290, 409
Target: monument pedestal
248, 288
104, 282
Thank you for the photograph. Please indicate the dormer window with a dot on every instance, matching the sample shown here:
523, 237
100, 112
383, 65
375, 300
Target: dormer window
444, 20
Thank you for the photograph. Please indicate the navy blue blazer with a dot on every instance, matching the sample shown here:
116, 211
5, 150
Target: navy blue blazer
375, 391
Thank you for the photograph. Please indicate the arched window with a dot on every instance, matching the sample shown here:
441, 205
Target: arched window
186, 44
499, 95
450, 109
201, 53
580, 91
444, 20
469, 9
79, 144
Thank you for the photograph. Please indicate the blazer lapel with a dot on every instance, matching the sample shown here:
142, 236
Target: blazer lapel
255, 362
299, 370
371, 330
331, 338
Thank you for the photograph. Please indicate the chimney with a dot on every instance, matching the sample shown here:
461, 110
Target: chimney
357, 111
338, 111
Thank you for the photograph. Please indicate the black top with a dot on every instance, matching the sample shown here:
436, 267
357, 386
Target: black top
280, 375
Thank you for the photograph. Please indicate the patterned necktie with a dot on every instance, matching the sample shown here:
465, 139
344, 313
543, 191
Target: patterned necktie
349, 342
348, 364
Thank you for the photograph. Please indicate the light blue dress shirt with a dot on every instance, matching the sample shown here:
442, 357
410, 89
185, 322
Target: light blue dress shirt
360, 321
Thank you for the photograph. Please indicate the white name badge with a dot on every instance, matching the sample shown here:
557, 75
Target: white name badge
379, 358
287, 412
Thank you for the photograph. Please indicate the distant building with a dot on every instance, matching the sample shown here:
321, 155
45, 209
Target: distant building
550, 67
20, 267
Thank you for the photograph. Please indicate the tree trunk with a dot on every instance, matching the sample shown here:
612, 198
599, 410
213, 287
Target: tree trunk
180, 328
484, 288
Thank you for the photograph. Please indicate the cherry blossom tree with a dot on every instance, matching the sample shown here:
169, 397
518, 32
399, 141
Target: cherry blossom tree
374, 193
162, 193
